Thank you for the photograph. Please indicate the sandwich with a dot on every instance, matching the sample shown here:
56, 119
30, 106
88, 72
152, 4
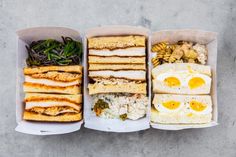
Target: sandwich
182, 78
117, 73
52, 107
53, 79
117, 64
53, 93
181, 109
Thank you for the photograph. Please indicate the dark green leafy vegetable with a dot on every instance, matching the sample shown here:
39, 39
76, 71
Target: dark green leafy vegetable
53, 52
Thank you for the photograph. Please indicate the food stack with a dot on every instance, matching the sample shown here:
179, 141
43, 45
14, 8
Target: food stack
52, 85
117, 73
181, 83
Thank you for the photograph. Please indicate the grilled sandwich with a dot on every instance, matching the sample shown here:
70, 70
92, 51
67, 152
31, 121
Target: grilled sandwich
53, 107
53, 79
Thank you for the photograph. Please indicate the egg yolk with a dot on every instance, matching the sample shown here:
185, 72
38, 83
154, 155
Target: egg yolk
171, 105
196, 82
190, 115
172, 81
197, 106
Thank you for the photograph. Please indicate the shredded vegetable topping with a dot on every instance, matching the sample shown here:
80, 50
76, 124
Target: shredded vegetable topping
53, 52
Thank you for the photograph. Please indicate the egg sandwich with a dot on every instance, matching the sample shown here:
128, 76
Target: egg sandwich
182, 78
181, 109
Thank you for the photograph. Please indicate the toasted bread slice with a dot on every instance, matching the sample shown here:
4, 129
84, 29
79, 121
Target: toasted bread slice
172, 119
69, 117
114, 42
40, 88
117, 88
69, 68
95, 67
119, 60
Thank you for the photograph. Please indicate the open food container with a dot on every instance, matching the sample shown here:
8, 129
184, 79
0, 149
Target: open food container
114, 125
25, 37
202, 37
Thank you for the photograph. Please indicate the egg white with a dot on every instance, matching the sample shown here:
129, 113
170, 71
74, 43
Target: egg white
163, 76
163, 109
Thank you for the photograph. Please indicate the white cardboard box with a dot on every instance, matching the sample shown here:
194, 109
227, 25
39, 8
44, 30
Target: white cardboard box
91, 121
202, 37
25, 37
113, 125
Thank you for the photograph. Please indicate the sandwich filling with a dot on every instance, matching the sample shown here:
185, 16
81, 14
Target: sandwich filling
123, 106
114, 81
53, 111
131, 74
134, 51
58, 76
50, 103
50, 82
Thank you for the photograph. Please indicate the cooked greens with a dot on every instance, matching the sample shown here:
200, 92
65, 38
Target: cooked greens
53, 52
99, 106
123, 116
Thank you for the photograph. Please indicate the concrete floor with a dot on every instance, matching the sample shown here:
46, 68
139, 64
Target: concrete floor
219, 16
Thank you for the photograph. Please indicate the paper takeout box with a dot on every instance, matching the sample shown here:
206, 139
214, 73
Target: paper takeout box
91, 121
201, 37
113, 125
25, 37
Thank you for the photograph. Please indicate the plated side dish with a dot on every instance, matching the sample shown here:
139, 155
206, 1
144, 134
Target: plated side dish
181, 84
180, 52
117, 76
53, 81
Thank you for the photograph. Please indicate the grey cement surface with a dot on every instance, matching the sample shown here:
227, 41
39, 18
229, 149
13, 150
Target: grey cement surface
218, 15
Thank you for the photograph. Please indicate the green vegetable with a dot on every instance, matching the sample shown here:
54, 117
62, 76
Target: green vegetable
123, 116
99, 106
53, 52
